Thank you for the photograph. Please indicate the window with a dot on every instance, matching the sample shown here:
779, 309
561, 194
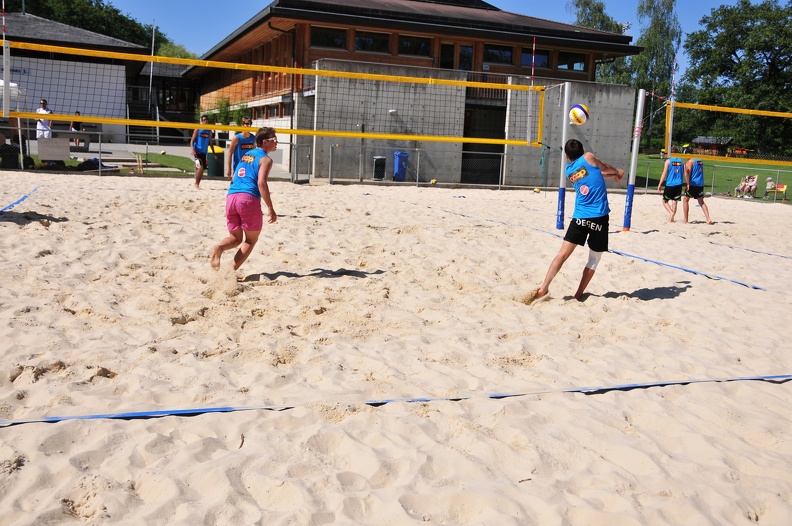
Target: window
418, 46
372, 42
497, 54
570, 61
328, 37
539, 60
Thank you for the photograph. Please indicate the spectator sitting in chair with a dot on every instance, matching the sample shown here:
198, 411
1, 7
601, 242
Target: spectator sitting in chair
769, 186
750, 191
9, 154
740, 188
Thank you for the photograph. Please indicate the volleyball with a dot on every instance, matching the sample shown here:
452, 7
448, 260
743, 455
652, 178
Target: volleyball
578, 114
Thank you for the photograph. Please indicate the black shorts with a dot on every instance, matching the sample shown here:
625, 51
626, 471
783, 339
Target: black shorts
595, 229
202, 157
695, 192
672, 193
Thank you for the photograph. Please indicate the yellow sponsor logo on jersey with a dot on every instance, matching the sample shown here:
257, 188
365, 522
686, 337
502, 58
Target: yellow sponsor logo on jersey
248, 159
578, 175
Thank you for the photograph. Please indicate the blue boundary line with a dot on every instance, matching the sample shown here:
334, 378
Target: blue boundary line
135, 415
617, 252
12, 205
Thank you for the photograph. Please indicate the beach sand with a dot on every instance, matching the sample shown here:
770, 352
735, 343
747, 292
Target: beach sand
370, 293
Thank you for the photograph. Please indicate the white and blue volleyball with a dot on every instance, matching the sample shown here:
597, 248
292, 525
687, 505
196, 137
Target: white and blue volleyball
578, 114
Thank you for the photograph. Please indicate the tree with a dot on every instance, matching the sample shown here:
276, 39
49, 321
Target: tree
653, 68
92, 15
169, 49
742, 58
591, 13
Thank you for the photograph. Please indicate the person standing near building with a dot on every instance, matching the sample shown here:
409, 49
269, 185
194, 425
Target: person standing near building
242, 143
694, 174
200, 142
244, 217
674, 176
43, 126
590, 218
76, 126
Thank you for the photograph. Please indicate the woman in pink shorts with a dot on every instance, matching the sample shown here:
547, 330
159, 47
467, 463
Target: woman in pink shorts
243, 202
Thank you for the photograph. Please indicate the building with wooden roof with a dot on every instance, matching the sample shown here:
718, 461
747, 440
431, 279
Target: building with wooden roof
454, 39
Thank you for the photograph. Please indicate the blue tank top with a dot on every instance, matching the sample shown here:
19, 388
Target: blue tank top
697, 173
246, 174
202, 141
591, 195
244, 145
676, 170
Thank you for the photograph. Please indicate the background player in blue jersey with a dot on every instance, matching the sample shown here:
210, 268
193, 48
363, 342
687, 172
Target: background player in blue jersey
249, 187
694, 170
240, 144
200, 142
590, 219
674, 177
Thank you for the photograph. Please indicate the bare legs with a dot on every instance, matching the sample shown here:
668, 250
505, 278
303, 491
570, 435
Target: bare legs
702, 204
246, 239
671, 208
198, 175
584, 281
558, 261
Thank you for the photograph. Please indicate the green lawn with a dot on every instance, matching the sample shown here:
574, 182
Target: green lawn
721, 176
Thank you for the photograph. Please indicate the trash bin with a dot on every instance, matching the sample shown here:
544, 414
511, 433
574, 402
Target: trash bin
215, 166
400, 166
379, 168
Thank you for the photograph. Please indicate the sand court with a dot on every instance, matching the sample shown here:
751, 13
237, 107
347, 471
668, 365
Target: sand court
369, 293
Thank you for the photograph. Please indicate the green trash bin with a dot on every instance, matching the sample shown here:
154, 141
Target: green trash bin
215, 162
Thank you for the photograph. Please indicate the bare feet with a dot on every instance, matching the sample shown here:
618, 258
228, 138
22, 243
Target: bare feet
215, 260
534, 295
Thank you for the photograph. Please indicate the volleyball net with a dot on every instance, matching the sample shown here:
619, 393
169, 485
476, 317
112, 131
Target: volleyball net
359, 101
726, 134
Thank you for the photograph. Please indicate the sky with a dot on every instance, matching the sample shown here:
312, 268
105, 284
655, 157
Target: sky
199, 25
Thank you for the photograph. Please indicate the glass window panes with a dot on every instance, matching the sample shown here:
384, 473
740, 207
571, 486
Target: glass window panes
539, 60
410, 45
497, 54
373, 42
570, 61
328, 37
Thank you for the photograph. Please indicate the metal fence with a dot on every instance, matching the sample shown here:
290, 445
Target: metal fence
723, 179
415, 165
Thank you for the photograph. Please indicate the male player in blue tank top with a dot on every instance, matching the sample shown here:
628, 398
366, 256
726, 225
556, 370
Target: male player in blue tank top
674, 170
694, 175
249, 187
199, 143
242, 143
590, 218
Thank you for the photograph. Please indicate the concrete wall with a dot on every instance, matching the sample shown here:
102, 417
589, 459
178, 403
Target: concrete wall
354, 105
92, 89
607, 134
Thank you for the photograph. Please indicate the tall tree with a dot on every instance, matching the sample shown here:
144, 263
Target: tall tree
591, 13
742, 58
98, 16
653, 68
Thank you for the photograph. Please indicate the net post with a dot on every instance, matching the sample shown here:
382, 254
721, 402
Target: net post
639, 109
562, 178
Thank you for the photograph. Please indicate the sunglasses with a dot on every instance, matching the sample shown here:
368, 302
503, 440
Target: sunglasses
271, 139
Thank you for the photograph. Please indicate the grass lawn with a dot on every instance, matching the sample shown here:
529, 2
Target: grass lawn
721, 176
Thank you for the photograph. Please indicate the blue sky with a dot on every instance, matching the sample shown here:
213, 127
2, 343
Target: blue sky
199, 25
